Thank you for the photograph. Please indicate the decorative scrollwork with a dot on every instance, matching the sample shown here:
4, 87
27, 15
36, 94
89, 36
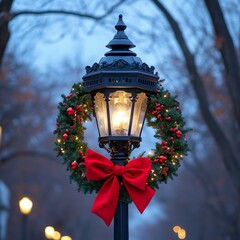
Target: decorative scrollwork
121, 64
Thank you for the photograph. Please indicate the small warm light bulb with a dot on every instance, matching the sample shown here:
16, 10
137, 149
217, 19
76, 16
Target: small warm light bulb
150, 153
58, 140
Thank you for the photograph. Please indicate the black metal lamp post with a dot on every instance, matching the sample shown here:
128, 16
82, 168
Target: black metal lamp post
120, 85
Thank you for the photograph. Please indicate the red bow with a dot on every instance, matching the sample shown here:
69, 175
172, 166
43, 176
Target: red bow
134, 177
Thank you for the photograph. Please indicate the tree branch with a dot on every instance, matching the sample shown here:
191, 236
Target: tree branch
71, 13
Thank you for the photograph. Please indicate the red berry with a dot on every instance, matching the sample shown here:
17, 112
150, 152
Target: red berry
154, 112
65, 136
165, 171
164, 143
162, 159
74, 165
70, 111
178, 133
69, 96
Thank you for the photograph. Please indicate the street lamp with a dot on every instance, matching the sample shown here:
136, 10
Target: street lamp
66, 238
49, 231
180, 231
25, 205
120, 85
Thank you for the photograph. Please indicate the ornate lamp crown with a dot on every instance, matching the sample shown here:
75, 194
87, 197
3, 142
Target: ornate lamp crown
120, 67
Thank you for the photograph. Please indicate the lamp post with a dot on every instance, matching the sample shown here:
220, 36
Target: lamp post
25, 205
120, 85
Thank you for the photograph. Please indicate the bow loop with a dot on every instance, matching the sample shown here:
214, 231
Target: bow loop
134, 176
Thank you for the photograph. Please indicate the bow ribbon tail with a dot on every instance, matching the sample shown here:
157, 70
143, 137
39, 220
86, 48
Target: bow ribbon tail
106, 201
141, 198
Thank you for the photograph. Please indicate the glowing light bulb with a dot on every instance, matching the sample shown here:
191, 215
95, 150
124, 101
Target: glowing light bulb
120, 110
120, 122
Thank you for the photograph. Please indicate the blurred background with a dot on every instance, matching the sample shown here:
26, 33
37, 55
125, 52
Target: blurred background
44, 48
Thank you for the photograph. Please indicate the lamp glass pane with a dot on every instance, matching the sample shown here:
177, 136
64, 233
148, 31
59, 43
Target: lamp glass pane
101, 114
139, 114
120, 106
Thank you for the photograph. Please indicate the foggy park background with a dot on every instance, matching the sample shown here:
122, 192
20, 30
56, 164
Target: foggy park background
194, 45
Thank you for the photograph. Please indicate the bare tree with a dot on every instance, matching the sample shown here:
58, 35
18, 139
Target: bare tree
230, 158
228, 53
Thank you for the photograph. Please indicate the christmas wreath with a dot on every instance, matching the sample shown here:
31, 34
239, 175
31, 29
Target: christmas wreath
163, 115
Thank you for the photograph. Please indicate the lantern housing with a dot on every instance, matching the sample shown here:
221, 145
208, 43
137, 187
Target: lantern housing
120, 85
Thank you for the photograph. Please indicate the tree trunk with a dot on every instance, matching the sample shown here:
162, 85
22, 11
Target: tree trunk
5, 7
230, 160
228, 53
